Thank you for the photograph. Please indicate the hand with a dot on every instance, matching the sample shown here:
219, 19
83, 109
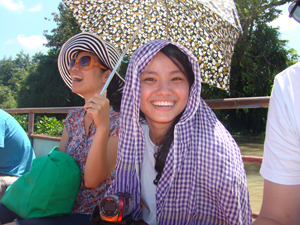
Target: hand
97, 107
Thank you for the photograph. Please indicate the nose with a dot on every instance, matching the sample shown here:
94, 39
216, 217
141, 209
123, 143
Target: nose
164, 88
75, 67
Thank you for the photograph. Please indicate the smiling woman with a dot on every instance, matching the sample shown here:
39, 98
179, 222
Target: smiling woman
175, 157
164, 93
90, 133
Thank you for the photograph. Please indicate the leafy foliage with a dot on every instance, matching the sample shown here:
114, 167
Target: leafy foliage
22, 120
12, 73
49, 126
6, 98
66, 28
259, 56
43, 87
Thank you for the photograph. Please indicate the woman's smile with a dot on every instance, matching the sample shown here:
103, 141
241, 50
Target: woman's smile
76, 78
87, 82
163, 104
164, 91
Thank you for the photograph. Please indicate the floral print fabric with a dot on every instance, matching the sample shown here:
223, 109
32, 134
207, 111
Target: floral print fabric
78, 146
209, 28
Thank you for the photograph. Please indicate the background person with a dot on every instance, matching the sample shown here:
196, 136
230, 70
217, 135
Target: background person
90, 134
174, 155
281, 160
16, 152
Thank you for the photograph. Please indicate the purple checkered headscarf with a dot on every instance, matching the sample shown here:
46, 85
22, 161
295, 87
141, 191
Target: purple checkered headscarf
203, 181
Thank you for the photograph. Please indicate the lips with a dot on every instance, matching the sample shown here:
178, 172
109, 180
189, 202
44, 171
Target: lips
164, 104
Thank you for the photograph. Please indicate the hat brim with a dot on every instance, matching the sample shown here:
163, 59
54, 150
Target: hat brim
91, 43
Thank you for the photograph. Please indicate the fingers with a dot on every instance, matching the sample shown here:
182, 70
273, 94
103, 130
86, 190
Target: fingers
90, 104
94, 106
98, 107
97, 101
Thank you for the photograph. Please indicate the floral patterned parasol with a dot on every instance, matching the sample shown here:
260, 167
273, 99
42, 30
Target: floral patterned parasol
209, 28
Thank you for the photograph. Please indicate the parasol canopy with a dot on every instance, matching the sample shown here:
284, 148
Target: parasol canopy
209, 28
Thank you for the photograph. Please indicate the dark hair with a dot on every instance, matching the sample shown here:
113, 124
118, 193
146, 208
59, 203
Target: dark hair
182, 62
114, 91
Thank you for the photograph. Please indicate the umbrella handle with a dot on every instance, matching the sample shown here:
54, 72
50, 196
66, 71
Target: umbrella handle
126, 49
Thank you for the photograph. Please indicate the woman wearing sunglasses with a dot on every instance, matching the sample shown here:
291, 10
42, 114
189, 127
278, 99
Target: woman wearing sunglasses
90, 134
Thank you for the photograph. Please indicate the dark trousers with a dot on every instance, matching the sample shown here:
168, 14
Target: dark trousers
7, 216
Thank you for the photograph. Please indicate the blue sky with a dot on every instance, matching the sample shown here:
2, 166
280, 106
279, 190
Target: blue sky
23, 23
289, 28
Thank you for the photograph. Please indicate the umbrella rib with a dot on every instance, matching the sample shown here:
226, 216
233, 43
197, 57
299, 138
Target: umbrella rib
167, 17
126, 49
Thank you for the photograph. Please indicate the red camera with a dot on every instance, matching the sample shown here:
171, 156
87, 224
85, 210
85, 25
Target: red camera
114, 208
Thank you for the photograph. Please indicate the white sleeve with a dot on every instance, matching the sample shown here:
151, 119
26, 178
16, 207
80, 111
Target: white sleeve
281, 160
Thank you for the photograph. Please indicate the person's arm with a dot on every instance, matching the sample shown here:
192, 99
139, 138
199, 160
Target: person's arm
280, 206
64, 138
280, 167
102, 156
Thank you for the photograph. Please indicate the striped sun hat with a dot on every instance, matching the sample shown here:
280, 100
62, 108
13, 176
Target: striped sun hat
88, 42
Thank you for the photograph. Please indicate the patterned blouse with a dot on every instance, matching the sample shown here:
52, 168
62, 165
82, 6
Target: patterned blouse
78, 146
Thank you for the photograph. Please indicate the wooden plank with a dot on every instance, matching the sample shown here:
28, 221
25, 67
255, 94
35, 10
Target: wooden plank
226, 103
42, 110
236, 103
30, 123
253, 159
45, 137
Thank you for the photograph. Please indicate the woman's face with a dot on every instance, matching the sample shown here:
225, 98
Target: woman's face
87, 82
164, 91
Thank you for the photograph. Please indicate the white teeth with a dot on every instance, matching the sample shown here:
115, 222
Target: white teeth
76, 78
163, 104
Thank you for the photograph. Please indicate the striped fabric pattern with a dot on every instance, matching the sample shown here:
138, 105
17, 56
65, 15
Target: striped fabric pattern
204, 180
91, 43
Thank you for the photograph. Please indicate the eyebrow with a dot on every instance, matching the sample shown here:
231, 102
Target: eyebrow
154, 72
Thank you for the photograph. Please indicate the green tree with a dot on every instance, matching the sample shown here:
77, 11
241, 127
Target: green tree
259, 56
22, 61
6, 71
66, 28
12, 73
43, 87
7, 99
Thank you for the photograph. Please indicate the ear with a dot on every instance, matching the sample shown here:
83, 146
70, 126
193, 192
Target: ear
106, 75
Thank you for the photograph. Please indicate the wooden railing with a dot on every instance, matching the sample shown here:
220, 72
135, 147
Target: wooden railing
227, 103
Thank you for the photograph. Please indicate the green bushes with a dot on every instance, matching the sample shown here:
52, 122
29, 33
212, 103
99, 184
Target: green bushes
49, 126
